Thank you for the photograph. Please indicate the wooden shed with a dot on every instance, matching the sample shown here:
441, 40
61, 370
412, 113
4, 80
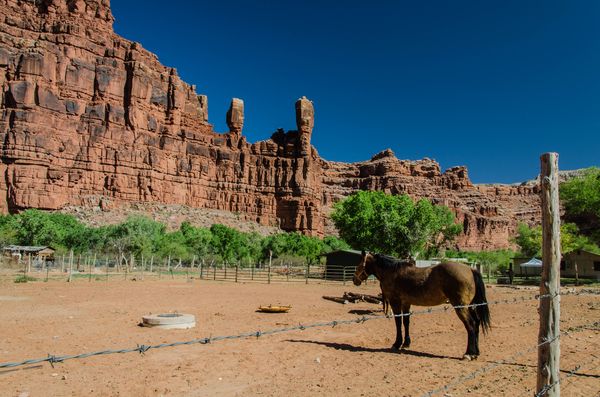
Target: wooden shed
341, 262
588, 264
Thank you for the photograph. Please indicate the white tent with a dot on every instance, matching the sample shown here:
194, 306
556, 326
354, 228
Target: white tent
533, 262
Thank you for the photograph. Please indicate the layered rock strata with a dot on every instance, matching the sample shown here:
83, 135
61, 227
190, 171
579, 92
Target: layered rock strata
91, 119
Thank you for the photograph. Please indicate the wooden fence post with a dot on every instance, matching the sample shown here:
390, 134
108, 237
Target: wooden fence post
237, 268
92, 263
548, 371
70, 266
307, 271
269, 270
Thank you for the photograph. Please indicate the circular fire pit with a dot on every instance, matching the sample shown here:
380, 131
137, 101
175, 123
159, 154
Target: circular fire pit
169, 321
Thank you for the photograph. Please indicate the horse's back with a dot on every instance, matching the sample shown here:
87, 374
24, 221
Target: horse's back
456, 280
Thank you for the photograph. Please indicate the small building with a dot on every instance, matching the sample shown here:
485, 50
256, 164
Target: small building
341, 262
588, 264
37, 253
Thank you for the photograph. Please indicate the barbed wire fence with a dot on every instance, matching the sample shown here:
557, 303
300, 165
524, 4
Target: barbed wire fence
574, 366
464, 378
142, 348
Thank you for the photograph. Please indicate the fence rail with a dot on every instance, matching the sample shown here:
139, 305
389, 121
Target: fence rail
105, 268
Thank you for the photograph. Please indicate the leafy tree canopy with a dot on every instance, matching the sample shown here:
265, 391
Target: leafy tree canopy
529, 239
139, 235
394, 224
581, 199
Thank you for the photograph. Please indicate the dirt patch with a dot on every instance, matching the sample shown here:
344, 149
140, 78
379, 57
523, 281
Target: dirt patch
353, 360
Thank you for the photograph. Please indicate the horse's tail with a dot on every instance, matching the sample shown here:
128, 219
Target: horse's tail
482, 311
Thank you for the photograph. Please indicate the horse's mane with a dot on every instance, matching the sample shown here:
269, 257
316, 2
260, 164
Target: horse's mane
390, 262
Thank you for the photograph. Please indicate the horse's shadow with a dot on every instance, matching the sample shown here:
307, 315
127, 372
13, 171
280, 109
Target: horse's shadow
352, 348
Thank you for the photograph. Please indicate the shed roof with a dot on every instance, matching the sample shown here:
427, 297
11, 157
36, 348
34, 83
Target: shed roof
533, 262
27, 248
344, 251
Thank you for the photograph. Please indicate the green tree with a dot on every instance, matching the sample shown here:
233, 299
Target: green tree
227, 242
581, 199
138, 235
332, 243
393, 224
529, 239
198, 239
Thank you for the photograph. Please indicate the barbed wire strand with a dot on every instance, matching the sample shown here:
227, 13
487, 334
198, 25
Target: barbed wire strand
53, 359
489, 367
500, 384
562, 379
570, 381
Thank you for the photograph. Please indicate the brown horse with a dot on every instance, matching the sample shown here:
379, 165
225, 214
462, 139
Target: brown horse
403, 284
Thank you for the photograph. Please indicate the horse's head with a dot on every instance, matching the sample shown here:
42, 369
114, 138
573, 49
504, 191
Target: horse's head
363, 270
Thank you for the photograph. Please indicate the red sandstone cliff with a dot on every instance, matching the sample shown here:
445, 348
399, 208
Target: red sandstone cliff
91, 119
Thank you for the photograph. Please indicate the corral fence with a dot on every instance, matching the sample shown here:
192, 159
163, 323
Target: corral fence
96, 267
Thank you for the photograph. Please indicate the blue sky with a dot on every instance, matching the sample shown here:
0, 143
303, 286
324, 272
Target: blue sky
486, 84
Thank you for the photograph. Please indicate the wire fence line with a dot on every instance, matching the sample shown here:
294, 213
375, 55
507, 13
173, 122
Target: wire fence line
576, 368
499, 386
464, 378
141, 348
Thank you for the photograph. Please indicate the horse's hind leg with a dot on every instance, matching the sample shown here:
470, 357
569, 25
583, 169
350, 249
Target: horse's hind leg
406, 321
476, 324
470, 325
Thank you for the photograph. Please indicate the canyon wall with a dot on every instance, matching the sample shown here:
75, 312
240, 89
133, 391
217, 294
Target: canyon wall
91, 119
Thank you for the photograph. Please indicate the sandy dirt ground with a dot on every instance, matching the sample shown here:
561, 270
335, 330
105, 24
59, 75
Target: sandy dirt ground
352, 360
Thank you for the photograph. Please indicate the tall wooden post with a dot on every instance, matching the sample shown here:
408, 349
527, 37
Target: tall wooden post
307, 271
70, 266
269, 270
549, 354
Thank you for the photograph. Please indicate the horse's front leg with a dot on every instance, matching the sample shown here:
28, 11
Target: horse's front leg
406, 321
397, 309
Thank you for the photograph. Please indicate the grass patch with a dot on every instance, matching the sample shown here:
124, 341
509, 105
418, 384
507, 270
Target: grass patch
24, 279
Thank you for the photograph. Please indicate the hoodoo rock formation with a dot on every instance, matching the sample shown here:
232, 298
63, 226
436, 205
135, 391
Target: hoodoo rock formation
91, 119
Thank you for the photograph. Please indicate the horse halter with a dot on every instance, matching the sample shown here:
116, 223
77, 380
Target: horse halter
363, 275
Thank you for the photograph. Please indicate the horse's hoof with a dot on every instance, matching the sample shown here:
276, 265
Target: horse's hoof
467, 357
406, 345
395, 348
